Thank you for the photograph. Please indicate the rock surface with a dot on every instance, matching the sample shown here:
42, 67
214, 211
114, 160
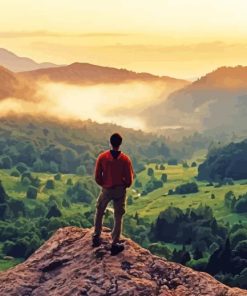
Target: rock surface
67, 265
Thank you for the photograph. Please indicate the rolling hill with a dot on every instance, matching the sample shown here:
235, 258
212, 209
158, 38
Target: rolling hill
216, 101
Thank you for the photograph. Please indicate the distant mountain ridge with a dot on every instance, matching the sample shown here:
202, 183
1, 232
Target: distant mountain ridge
217, 100
78, 73
16, 63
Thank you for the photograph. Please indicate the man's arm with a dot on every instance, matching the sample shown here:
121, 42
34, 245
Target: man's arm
128, 173
98, 172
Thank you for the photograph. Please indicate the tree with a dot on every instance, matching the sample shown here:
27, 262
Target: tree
138, 183
32, 192
54, 211
54, 167
21, 167
26, 181
212, 196
194, 164
3, 194
230, 200
17, 207
6, 162
240, 205
187, 188
81, 170
130, 200
197, 254
162, 167
50, 184
164, 178
150, 172
38, 165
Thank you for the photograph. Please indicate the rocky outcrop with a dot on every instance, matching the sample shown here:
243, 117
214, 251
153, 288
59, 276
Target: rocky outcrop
67, 265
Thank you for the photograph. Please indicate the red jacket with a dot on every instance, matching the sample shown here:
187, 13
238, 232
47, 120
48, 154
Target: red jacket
110, 172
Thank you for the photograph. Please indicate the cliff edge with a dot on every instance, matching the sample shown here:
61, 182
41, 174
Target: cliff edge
67, 265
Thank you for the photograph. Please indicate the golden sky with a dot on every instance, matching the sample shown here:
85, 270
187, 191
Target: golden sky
180, 38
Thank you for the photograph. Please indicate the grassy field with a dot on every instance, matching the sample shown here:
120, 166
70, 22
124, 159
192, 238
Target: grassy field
147, 206
150, 205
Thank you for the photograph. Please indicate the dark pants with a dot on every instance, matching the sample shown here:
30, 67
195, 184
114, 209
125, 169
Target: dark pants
118, 196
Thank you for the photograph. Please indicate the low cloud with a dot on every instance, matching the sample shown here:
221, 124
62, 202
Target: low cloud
102, 103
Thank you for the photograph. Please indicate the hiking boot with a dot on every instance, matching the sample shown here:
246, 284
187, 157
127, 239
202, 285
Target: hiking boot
96, 241
116, 249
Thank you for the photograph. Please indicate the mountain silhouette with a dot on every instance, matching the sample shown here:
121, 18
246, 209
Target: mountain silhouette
15, 63
68, 265
81, 73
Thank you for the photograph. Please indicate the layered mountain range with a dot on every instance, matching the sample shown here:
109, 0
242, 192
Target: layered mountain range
217, 100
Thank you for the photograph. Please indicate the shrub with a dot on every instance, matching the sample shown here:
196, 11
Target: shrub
58, 177
15, 173
194, 164
69, 182
170, 192
200, 264
185, 165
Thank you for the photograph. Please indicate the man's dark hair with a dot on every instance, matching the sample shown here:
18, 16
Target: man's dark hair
116, 140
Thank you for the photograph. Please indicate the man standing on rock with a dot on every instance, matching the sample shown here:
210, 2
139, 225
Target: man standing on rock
114, 173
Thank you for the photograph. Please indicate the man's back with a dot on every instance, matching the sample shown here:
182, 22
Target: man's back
113, 169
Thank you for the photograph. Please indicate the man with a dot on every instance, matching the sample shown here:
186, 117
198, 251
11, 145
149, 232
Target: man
114, 173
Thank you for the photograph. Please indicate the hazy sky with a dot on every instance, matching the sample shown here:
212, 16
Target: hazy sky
181, 38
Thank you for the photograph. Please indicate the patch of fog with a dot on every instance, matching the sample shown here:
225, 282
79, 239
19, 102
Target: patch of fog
103, 102
113, 103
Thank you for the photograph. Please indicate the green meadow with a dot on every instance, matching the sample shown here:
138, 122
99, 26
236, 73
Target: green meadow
149, 206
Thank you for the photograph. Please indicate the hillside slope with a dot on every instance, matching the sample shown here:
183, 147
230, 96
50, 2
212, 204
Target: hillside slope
217, 100
67, 265
13, 86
